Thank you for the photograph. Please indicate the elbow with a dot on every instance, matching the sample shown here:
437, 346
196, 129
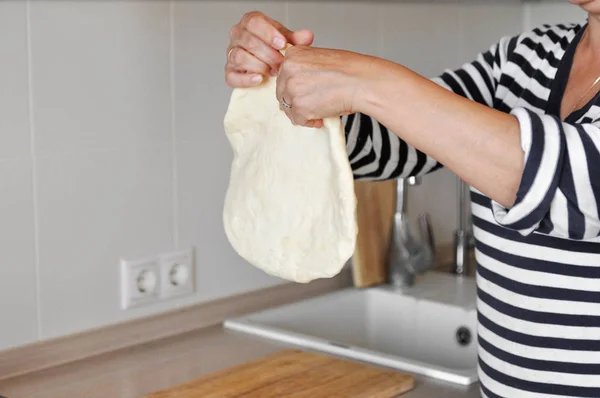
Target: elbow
525, 213
507, 197
559, 218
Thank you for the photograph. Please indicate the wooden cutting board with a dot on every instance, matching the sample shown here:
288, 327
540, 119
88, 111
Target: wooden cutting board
295, 374
376, 204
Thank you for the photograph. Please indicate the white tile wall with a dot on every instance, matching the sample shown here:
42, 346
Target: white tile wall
354, 29
18, 300
95, 207
479, 31
130, 157
423, 37
100, 74
102, 125
14, 117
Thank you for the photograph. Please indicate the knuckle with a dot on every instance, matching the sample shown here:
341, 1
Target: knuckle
300, 120
253, 43
233, 32
293, 52
253, 23
237, 56
294, 84
249, 16
293, 65
229, 79
263, 68
284, 66
245, 18
300, 104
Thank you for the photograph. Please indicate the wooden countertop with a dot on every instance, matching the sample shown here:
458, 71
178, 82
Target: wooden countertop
143, 369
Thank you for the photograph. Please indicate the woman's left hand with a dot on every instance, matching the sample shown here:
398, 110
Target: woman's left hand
319, 83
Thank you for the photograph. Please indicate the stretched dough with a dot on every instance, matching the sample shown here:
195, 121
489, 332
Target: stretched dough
290, 207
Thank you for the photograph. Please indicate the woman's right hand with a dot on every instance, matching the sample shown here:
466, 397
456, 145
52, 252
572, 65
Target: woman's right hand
253, 50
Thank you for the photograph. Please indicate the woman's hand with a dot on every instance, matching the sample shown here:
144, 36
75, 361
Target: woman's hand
318, 83
253, 51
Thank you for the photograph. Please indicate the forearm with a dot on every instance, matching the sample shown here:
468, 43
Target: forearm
479, 144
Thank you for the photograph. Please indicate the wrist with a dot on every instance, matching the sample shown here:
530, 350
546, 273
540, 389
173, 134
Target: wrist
380, 82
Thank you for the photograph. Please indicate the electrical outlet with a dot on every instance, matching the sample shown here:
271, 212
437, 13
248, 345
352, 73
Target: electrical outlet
140, 282
177, 273
160, 277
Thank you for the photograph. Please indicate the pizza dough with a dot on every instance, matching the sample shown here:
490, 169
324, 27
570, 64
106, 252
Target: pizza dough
290, 208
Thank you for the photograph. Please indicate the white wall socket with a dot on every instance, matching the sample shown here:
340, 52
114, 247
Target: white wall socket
140, 281
177, 273
157, 278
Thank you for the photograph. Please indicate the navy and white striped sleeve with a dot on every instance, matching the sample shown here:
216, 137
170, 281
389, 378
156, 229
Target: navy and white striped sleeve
376, 153
559, 193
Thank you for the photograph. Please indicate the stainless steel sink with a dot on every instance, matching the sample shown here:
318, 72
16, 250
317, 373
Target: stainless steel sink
428, 329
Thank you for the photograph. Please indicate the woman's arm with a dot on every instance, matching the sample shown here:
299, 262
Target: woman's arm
377, 153
461, 131
542, 175
478, 143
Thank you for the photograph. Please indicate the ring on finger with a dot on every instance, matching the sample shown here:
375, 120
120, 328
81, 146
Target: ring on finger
229, 53
285, 104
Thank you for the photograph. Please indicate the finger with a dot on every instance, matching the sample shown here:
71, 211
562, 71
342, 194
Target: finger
266, 29
298, 119
288, 113
317, 124
284, 108
257, 47
283, 31
302, 38
280, 88
236, 79
298, 38
242, 60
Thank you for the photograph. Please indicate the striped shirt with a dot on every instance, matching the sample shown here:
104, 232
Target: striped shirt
538, 263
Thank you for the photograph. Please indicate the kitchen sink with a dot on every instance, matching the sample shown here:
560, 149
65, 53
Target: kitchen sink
428, 329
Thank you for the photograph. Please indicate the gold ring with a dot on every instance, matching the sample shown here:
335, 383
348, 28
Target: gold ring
229, 53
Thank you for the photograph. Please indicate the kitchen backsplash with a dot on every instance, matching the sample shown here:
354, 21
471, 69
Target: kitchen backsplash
111, 138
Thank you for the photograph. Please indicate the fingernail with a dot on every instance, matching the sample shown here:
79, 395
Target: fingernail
278, 42
256, 79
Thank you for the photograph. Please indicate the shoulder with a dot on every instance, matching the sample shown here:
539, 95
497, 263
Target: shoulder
553, 32
546, 34
548, 37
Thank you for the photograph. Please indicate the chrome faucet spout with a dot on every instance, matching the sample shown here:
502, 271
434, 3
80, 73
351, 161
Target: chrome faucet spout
463, 236
407, 255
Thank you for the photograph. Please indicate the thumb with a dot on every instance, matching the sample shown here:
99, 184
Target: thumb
301, 37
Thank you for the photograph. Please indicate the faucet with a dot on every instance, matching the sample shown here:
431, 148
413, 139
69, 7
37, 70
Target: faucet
463, 236
408, 256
